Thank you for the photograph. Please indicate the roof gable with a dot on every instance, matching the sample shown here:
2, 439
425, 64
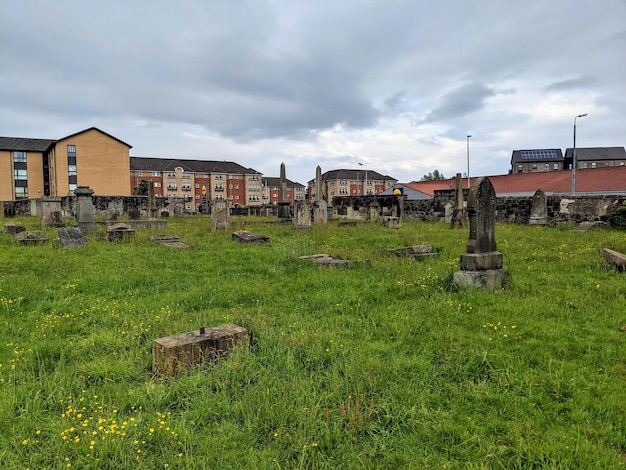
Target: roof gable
94, 129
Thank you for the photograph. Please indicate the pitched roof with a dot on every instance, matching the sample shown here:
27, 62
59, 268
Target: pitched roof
94, 129
597, 180
350, 174
597, 153
536, 155
274, 182
409, 193
194, 166
19, 144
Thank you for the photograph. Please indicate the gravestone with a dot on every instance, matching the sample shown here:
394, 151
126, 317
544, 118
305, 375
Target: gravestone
615, 257
13, 229
373, 213
417, 252
134, 213
71, 237
320, 206
539, 209
283, 197
35, 237
481, 265
459, 215
171, 241
178, 210
391, 222
302, 216
220, 214
119, 232
51, 212
244, 236
152, 207
111, 215
84, 209
173, 354
326, 260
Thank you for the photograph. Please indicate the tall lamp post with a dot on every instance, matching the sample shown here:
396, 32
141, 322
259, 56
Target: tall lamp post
365, 184
574, 155
468, 176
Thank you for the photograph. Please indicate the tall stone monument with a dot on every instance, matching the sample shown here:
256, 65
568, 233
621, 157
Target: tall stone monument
481, 265
283, 196
459, 216
220, 214
539, 209
320, 207
84, 209
152, 207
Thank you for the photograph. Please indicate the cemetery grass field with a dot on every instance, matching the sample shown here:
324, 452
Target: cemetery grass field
386, 366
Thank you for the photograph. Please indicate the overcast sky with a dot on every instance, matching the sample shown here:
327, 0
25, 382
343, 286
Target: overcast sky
395, 85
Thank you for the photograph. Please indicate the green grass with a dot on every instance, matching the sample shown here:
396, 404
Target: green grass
387, 366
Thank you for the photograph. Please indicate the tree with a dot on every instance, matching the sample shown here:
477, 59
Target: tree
143, 188
434, 176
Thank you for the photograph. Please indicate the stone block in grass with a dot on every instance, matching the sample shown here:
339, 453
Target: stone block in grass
174, 354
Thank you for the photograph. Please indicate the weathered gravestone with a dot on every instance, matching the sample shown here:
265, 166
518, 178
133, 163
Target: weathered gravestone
320, 206
13, 229
391, 222
244, 236
119, 232
178, 210
326, 260
174, 354
220, 214
134, 213
71, 237
84, 209
481, 265
111, 215
171, 241
539, 209
417, 252
152, 206
51, 212
302, 216
284, 214
459, 215
615, 257
35, 237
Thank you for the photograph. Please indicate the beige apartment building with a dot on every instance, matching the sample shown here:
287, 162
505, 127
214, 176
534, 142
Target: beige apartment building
32, 168
351, 183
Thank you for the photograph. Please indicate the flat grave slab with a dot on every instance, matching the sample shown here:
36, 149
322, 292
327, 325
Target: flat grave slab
35, 237
244, 236
171, 241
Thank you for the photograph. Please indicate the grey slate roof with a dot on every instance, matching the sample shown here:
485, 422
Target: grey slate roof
193, 166
597, 153
349, 174
18, 144
274, 182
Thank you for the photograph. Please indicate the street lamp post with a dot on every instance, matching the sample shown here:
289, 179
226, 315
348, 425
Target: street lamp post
365, 184
574, 155
468, 175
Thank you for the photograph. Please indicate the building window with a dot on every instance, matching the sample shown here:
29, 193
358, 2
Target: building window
171, 175
621, 163
593, 164
546, 167
157, 184
197, 196
219, 177
584, 164
156, 173
71, 168
171, 186
186, 175
534, 167
606, 164
197, 185
186, 187
140, 173
555, 167
520, 168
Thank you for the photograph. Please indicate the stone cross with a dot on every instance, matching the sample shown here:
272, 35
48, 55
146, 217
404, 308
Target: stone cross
84, 209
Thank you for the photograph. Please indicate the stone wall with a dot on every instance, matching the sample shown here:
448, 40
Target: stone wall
102, 204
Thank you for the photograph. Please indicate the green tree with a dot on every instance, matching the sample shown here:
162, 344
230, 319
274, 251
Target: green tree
434, 176
142, 188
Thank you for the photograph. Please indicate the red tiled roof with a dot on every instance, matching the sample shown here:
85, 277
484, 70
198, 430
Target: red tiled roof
611, 179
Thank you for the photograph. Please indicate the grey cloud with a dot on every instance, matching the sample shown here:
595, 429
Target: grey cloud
573, 83
460, 102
